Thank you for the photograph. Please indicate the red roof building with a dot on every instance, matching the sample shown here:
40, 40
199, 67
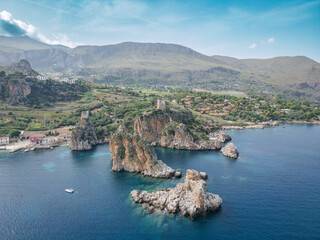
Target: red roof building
36, 140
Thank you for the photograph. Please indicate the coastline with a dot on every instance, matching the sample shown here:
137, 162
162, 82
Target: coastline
263, 125
26, 146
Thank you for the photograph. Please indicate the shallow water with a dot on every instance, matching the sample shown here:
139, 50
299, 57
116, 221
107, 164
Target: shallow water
271, 192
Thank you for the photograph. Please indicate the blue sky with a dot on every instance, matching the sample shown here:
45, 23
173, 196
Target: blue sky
242, 29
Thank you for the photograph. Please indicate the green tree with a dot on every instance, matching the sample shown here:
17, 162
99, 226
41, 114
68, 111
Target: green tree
14, 133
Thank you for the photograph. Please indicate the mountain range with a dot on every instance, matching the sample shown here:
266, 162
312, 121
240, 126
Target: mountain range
168, 64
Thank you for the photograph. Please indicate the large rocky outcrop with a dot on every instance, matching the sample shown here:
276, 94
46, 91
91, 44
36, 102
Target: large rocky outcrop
17, 87
171, 129
83, 137
133, 154
230, 150
22, 66
190, 198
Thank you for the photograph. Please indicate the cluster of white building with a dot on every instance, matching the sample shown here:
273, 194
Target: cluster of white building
67, 80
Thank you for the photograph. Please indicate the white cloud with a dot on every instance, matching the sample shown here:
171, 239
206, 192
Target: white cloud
271, 40
253, 45
15, 27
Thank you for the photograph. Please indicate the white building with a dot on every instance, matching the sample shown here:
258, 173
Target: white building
39, 77
64, 138
4, 140
48, 140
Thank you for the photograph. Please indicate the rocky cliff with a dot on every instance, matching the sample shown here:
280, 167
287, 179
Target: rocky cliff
18, 90
173, 129
133, 154
230, 150
190, 199
22, 66
83, 137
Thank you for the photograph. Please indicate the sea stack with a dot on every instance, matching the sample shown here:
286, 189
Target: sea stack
132, 154
190, 199
230, 150
83, 137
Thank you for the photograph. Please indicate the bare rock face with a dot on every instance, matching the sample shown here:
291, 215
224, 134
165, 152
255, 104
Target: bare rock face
169, 129
222, 136
230, 150
18, 90
83, 137
190, 199
132, 154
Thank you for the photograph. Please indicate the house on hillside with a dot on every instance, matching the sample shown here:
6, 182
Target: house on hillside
39, 77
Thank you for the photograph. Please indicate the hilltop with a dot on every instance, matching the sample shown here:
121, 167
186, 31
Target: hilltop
23, 66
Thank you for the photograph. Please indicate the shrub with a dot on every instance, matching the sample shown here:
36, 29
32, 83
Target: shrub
121, 152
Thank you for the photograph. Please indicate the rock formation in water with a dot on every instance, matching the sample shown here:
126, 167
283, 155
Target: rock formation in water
230, 150
203, 175
133, 154
173, 129
83, 137
190, 199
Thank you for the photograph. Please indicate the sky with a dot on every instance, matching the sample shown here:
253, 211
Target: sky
241, 29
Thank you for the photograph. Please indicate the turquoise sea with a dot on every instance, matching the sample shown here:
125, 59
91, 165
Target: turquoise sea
271, 192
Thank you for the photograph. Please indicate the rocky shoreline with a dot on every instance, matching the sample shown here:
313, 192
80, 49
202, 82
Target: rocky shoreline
189, 199
266, 125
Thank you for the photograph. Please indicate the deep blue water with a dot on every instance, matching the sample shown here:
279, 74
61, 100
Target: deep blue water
271, 192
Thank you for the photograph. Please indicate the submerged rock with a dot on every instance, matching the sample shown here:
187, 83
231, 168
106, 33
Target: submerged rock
190, 199
83, 137
230, 150
204, 175
178, 174
132, 154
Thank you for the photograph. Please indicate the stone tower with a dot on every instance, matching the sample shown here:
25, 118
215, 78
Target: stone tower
161, 104
85, 115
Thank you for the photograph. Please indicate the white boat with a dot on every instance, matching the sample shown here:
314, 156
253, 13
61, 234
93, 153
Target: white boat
69, 190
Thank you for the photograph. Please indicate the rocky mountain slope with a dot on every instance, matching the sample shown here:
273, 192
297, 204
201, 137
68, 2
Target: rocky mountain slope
190, 199
171, 64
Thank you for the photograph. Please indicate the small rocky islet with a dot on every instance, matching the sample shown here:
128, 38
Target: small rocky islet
189, 199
